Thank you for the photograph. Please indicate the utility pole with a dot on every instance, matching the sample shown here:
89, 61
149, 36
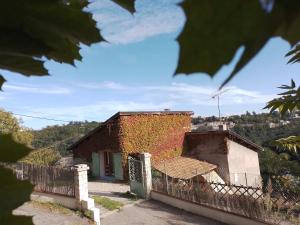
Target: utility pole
217, 94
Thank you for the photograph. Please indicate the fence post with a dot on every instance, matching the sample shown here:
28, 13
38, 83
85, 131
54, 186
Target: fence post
146, 162
82, 193
81, 182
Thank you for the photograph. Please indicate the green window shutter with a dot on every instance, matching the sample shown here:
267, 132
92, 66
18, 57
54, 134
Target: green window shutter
117, 158
95, 164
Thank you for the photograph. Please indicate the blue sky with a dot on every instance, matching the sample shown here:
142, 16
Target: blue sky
134, 71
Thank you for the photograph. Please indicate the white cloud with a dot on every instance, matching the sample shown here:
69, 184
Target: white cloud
101, 110
103, 85
176, 96
152, 18
184, 93
53, 90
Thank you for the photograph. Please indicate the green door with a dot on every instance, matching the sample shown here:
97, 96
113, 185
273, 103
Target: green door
95, 164
118, 168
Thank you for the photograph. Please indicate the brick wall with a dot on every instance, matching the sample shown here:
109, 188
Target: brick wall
105, 138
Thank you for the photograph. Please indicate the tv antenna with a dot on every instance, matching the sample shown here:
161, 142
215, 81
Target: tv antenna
217, 95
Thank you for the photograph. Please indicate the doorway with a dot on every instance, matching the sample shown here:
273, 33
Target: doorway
108, 164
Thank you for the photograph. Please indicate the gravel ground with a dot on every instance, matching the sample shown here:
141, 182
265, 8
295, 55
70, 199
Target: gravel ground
154, 213
42, 216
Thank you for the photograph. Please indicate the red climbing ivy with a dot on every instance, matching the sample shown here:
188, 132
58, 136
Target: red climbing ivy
162, 136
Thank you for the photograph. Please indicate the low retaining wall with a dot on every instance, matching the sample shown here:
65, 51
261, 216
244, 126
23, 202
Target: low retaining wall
201, 210
65, 201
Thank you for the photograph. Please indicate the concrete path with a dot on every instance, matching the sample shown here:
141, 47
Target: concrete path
109, 189
42, 216
154, 213
106, 188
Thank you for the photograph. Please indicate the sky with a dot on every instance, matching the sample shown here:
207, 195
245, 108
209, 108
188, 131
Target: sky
133, 71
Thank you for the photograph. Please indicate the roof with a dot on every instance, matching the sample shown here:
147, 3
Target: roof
118, 114
166, 112
232, 136
184, 167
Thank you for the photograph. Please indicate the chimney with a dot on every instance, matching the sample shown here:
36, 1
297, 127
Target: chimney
223, 127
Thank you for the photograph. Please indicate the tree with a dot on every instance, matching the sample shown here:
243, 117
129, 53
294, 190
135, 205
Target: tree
288, 102
33, 31
11, 125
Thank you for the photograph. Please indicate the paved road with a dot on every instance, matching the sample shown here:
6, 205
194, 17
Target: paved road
42, 216
154, 213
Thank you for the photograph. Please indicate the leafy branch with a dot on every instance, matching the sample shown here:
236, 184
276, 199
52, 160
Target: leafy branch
32, 31
295, 53
289, 100
289, 143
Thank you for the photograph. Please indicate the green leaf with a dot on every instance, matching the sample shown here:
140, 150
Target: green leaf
37, 30
215, 30
289, 143
22, 64
126, 4
2, 80
13, 193
10, 150
289, 101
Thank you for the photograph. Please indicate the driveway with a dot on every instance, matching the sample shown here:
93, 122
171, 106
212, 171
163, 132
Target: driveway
107, 188
154, 213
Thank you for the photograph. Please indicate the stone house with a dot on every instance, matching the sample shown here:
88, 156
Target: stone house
107, 147
235, 156
167, 135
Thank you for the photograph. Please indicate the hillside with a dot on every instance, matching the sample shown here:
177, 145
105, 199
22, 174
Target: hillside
59, 137
263, 129
259, 128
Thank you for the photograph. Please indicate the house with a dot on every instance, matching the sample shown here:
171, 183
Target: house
107, 147
167, 135
235, 156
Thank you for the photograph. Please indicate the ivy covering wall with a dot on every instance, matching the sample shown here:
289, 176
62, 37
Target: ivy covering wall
160, 135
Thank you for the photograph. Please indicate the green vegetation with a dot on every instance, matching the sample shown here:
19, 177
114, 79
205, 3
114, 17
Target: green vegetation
11, 125
34, 32
43, 157
275, 160
107, 202
60, 137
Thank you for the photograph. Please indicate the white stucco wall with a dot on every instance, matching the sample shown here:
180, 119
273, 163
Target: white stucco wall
243, 164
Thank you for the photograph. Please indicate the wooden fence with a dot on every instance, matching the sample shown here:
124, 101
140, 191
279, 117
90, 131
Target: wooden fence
247, 201
47, 179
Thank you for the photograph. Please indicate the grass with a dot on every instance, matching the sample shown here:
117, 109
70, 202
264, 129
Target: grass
85, 213
107, 203
129, 195
52, 207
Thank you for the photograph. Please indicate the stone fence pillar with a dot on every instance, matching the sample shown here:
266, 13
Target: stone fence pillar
82, 192
81, 183
147, 181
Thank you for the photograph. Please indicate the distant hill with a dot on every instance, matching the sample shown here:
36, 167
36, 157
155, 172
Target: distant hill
59, 137
260, 128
